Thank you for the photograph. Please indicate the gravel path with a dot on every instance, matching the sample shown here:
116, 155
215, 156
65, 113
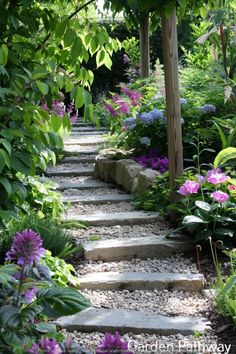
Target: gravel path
99, 209
65, 180
174, 264
92, 192
119, 232
151, 344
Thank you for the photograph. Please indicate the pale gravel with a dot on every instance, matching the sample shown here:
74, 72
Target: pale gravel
150, 344
72, 166
164, 302
174, 264
120, 232
77, 147
109, 208
65, 180
91, 192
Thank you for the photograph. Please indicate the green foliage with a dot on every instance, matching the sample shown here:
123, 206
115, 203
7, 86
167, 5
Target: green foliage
157, 197
62, 273
55, 238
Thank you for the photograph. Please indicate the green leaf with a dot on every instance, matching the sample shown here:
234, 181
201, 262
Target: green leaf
69, 37
39, 73
225, 155
169, 8
4, 159
192, 219
87, 97
43, 88
45, 327
79, 100
61, 301
107, 61
3, 55
6, 273
6, 184
224, 232
100, 56
203, 205
9, 316
76, 49
56, 122
60, 29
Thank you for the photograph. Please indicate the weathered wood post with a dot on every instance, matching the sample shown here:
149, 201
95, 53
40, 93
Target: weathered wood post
174, 130
144, 46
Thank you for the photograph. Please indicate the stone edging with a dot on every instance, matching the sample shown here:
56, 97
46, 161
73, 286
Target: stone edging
127, 173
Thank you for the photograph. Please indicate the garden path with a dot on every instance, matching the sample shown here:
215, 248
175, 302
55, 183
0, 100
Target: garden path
138, 281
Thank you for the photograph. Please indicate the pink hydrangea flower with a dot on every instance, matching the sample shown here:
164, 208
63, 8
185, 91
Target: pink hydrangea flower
215, 176
219, 196
232, 187
189, 187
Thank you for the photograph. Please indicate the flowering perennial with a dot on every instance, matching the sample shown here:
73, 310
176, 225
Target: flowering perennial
129, 123
151, 159
26, 248
215, 176
150, 117
220, 197
189, 187
113, 344
207, 108
46, 346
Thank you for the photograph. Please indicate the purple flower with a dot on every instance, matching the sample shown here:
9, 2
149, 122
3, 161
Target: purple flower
113, 344
129, 123
46, 346
215, 176
219, 196
201, 179
124, 107
125, 59
189, 187
207, 108
30, 294
110, 109
156, 114
146, 118
26, 248
145, 140
58, 108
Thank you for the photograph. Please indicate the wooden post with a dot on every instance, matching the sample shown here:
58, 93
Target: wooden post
144, 46
174, 130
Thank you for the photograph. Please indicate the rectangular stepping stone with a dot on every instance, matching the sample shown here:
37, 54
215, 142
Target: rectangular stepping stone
87, 133
81, 124
111, 219
93, 184
98, 199
76, 150
140, 247
79, 159
141, 281
104, 320
95, 140
79, 171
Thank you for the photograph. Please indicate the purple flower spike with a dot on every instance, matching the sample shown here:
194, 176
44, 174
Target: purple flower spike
26, 248
46, 346
30, 294
219, 196
113, 344
189, 187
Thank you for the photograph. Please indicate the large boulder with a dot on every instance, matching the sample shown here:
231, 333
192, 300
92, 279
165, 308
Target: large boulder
130, 177
121, 166
105, 169
146, 179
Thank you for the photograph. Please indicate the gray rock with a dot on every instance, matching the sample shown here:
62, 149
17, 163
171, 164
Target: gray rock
98, 199
146, 179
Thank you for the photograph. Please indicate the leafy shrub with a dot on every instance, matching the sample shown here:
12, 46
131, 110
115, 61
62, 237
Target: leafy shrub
157, 197
62, 273
28, 293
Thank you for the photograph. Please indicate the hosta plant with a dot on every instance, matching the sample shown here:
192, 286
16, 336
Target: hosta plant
28, 294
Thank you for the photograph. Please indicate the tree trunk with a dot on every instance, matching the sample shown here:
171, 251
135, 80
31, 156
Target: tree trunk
144, 46
174, 129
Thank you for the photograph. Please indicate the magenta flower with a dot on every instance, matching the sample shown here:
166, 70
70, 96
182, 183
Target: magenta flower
30, 294
189, 187
26, 248
46, 346
124, 107
232, 187
220, 196
201, 179
110, 109
215, 176
113, 344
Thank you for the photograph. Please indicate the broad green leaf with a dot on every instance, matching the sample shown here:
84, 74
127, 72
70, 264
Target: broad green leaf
224, 156
6, 184
69, 37
43, 88
39, 73
107, 61
203, 205
3, 55
76, 49
60, 28
6, 273
4, 159
56, 122
79, 100
192, 219
100, 56
87, 97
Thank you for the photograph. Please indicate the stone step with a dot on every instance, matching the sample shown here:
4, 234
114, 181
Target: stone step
79, 140
98, 199
93, 184
81, 133
137, 322
141, 281
79, 159
81, 124
69, 172
138, 247
125, 218
77, 150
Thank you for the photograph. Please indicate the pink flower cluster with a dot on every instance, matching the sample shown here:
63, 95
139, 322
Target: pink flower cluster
189, 187
133, 95
219, 196
215, 176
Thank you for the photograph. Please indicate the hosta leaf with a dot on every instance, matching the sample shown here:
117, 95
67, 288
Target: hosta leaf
224, 156
192, 219
203, 205
6, 184
61, 301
